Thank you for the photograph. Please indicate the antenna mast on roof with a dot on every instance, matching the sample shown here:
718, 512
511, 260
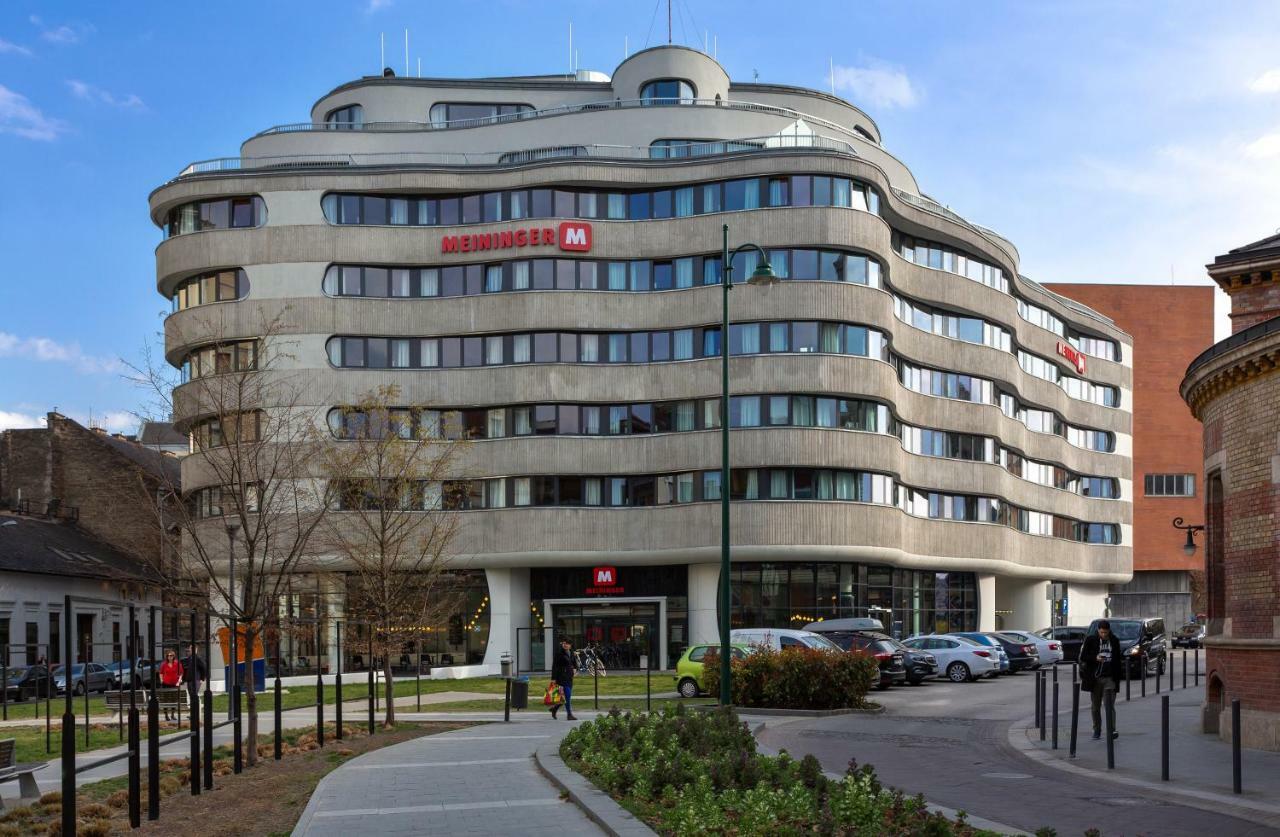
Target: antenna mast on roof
626, 47
832, 62
571, 47
382, 45
406, 52
668, 21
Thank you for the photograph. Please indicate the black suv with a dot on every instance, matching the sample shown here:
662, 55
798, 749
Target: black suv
862, 635
1071, 637
1139, 637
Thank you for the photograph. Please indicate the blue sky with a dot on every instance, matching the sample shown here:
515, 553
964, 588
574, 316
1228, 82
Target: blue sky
1118, 142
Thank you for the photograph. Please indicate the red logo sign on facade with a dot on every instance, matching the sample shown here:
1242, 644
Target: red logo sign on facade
604, 581
1072, 354
574, 236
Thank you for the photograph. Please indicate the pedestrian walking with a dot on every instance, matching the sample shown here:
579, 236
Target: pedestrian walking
1100, 673
562, 675
194, 673
170, 677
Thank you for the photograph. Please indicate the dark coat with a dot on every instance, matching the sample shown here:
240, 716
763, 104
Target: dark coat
195, 670
1091, 668
562, 666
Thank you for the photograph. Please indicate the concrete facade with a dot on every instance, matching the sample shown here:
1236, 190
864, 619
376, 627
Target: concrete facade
525, 553
1233, 389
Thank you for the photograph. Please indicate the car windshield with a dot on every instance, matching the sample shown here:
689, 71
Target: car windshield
983, 639
966, 640
1015, 636
17, 673
1126, 630
1190, 630
843, 639
76, 669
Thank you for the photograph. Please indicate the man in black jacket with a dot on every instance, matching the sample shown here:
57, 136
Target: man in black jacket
194, 672
1100, 673
562, 666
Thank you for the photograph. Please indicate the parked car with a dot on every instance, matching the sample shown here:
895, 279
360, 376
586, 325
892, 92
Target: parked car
989, 641
120, 671
780, 638
93, 677
26, 681
1190, 635
689, 667
858, 635
960, 659
1050, 650
1071, 637
921, 665
1023, 655
1139, 637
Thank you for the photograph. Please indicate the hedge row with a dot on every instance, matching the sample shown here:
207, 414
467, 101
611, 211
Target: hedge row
795, 678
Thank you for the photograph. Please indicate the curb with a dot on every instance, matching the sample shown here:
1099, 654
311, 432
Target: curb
975, 822
1246, 809
595, 803
798, 713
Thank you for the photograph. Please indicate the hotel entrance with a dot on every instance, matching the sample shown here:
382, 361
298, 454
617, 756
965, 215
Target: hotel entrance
618, 631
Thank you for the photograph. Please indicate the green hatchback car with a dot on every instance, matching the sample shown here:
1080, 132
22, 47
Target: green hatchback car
689, 668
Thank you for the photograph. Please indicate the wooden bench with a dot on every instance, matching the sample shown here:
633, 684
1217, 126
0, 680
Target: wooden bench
172, 698
24, 773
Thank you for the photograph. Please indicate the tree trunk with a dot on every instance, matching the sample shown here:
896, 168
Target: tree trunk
251, 702
390, 719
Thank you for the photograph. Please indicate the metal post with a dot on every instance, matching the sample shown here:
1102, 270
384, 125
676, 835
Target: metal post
153, 727
319, 687
1109, 723
1142, 671
194, 700
135, 743
648, 697
506, 702
337, 684
726, 593
1055, 714
1044, 697
208, 702
1036, 705
1075, 715
68, 730
1236, 784
1164, 738
1158, 675
4, 678
278, 695
86, 690
237, 746
1127, 682
1196, 674
371, 690
1184, 668
595, 678
417, 669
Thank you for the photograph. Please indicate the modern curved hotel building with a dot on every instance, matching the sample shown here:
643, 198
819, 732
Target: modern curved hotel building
919, 432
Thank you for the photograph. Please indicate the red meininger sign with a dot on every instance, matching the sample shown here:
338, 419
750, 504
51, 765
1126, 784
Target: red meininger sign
572, 236
1072, 354
604, 581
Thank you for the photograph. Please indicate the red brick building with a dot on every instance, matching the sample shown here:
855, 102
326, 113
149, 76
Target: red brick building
1234, 390
1170, 325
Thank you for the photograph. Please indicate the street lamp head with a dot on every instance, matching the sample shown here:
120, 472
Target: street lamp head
1189, 548
763, 275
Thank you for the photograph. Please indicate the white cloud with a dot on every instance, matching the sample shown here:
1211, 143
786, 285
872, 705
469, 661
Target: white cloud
1268, 82
376, 6
21, 118
89, 93
115, 421
65, 34
11, 421
50, 351
1267, 145
877, 84
17, 49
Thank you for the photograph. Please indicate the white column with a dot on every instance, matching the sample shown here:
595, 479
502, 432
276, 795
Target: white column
508, 610
1023, 602
986, 602
704, 581
1086, 602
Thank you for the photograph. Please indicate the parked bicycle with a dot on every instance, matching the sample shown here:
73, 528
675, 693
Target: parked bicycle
589, 662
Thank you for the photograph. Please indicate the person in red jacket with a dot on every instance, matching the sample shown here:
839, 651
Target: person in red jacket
170, 676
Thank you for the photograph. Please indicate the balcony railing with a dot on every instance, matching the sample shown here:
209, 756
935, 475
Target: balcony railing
664, 154
560, 110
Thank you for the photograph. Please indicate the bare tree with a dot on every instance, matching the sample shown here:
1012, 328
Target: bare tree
395, 483
259, 502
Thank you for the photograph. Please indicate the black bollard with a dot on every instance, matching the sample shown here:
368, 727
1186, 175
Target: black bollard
153, 732
1075, 715
1127, 681
1164, 738
648, 703
1035, 711
1159, 674
1055, 715
1196, 674
1043, 700
193, 697
595, 676
237, 746
1184, 668
1142, 662
506, 702
1236, 784
68, 729
337, 683
278, 737
208, 703
319, 706
1109, 723
371, 689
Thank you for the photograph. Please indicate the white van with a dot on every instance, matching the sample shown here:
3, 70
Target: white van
779, 638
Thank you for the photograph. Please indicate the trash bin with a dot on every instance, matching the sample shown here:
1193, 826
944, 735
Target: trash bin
520, 693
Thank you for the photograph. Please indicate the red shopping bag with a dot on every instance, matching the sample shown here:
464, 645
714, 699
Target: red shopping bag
554, 696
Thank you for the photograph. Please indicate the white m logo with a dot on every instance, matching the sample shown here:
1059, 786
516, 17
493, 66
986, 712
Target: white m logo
575, 235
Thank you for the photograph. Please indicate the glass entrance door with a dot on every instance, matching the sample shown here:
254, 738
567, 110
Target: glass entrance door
617, 632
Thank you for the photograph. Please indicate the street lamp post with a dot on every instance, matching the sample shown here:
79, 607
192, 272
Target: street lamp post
762, 275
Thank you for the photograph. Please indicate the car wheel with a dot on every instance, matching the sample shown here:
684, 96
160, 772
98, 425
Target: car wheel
688, 688
958, 672
79, 689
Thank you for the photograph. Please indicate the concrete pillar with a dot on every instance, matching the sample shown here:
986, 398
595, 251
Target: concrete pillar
1023, 604
704, 581
986, 602
1086, 602
508, 610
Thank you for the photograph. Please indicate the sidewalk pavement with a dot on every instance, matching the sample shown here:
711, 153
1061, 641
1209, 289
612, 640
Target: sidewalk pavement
480, 780
1199, 764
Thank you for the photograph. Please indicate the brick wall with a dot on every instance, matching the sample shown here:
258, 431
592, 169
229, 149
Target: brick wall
24, 467
1253, 304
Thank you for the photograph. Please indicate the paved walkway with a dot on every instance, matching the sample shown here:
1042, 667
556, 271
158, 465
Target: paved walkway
1199, 764
480, 780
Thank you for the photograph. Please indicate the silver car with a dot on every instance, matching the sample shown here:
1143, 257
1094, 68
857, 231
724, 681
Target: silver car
959, 659
93, 677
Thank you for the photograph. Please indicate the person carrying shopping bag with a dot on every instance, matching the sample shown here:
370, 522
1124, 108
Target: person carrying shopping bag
170, 677
562, 675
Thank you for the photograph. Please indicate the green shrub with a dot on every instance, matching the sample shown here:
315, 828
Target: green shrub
795, 678
699, 773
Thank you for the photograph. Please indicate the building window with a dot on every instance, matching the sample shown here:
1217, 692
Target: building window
219, 286
1169, 485
236, 356
468, 114
226, 213
345, 119
668, 91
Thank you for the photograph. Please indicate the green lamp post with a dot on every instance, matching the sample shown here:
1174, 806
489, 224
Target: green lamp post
762, 275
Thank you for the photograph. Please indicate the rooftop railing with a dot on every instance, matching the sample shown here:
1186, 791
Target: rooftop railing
1266, 328
663, 154
559, 110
